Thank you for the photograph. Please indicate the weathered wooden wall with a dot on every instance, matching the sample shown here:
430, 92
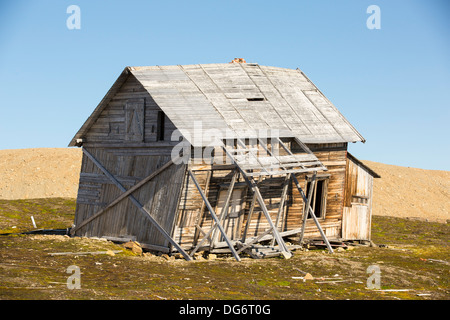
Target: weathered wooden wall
117, 124
159, 196
124, 140
191, 213
357, 202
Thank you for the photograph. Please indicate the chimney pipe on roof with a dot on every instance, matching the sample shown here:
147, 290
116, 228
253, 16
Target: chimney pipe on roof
238, 60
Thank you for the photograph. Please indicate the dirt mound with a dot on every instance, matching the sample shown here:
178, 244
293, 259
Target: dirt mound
54, 172
39, 173
411, 192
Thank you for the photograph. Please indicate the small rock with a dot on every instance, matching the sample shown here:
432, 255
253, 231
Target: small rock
308, 276
134, 246
110, 253
212, 256
167, 257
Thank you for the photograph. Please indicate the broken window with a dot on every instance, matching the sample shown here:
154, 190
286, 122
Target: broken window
319, 196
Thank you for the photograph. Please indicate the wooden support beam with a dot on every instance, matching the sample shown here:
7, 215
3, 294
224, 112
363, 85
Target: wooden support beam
324, 237
282, 201
199, 218
214, 216
124, 195
226, 205
248, 244
250, 213
307, 206
251, 182
138, 205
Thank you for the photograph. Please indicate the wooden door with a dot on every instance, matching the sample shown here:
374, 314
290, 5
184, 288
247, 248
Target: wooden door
356, 223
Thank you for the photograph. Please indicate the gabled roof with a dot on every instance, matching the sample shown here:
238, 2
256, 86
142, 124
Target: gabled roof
241, 98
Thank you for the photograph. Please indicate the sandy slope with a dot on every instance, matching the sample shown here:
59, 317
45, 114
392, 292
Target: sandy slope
401, 191
411, 192
39, 173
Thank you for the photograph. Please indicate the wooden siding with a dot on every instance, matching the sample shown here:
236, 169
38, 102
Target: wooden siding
357, 218
131, 115
190, 213
159, 196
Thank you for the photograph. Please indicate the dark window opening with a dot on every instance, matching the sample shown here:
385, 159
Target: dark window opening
255, 99
160, 126
318, 200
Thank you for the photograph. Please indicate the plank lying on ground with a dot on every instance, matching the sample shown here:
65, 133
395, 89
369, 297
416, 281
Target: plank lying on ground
84, 253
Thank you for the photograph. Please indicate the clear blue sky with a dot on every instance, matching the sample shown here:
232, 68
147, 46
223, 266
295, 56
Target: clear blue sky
392, 84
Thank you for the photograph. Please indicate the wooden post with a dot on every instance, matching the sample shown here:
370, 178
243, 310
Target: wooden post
324, 237
214, 216
225, 207
138, 205
202, 209
301, 144
308, 204
250, 213
282, 201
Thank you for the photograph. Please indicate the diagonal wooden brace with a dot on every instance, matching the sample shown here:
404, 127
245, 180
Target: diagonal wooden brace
308, 204
252, 184
324, 237
225, 207
138, 205
124, 195
214, 216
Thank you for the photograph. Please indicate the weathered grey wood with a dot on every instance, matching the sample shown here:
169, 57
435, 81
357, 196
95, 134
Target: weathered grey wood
214, 216
226, 204
138, 205
307, 206
251, 183
250, 213
249, 243
124, 195
282, 201
84, 253
324, 237
202, 209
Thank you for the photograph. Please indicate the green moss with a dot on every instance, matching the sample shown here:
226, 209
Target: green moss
404, 264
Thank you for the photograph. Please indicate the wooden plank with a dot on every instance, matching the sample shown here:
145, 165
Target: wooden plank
250, 213
138, 205
330, 249
307, 206
213, 215
249, 243
282, 201
226, 204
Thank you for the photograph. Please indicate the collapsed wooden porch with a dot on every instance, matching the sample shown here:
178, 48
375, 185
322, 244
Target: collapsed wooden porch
272, 164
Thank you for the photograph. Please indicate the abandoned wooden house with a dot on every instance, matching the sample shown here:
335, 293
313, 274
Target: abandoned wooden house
222, 158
